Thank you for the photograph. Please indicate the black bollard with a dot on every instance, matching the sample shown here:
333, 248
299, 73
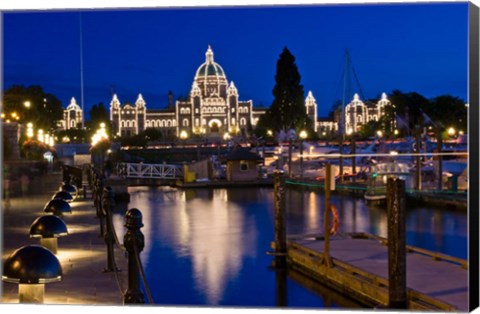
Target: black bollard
134, 243
397, 263
280, 226
108, 201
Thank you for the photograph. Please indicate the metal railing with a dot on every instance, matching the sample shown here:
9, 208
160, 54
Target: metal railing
133, 242
150, 171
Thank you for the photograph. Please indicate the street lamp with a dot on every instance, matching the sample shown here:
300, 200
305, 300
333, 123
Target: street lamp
27, 104
451, 131
183, 136
303, 136
40, 135
29, 130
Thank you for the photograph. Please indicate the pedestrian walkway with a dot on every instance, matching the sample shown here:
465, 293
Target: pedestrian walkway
82, 253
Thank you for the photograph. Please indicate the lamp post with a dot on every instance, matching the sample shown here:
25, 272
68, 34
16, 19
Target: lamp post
303, 136
183, 137
31, 267
48, 228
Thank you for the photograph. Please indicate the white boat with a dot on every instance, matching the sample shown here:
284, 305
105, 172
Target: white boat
377, 181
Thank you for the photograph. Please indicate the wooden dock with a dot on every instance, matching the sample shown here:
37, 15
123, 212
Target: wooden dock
360, 270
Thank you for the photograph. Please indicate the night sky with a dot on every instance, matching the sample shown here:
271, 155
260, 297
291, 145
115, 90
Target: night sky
411, 47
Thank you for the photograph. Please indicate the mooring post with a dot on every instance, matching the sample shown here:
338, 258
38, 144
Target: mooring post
290, 158
439, 159
354, 159
397, 263
340, 159
326, 220
280, 227
108, 201
418, 164
281, 287
134, 243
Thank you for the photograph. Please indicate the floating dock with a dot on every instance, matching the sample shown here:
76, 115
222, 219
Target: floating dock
359, 269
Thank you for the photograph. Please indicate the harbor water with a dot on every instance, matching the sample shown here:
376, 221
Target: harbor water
207, 247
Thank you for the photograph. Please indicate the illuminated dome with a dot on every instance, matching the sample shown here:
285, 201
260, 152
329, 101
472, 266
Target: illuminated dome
210, 78
73, 105
210, 67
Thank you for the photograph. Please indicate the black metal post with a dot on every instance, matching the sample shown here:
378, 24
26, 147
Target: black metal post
134, 243
418, 164
397, 263
280, 219
98, 203
439, 159
354, 159
289, 158
108, 202
301, 160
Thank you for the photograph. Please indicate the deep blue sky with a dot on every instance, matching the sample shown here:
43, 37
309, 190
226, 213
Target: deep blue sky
411, 47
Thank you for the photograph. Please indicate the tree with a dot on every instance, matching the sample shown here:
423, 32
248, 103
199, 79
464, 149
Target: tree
33, 105
98, 115
446, 111
288, 108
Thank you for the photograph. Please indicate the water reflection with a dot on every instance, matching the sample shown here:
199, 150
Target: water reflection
206, 246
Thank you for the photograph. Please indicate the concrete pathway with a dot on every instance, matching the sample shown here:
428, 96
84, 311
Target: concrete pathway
82, 253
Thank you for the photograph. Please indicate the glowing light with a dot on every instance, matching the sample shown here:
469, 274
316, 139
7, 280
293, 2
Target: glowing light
27, 104
393, 153
395, 132
349, 131
183, 135
269, 133
451, 131
226, 136
379, 133
40, 136
29, 130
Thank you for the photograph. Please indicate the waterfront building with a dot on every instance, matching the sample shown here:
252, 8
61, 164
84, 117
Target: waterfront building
212, 108
357, 114
72, 116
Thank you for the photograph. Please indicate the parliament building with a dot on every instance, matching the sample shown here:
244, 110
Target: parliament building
212, 109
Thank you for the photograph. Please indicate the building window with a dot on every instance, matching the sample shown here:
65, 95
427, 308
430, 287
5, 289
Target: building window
243, 165
185, 122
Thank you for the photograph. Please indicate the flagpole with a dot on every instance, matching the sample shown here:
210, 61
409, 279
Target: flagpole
81, 69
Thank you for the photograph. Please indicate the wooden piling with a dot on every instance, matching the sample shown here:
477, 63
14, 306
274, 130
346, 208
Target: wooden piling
439, 159
326, 221
397, 264
279, 213
418, 164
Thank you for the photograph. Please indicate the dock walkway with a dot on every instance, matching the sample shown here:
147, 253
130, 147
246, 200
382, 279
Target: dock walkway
434, 281
82, 253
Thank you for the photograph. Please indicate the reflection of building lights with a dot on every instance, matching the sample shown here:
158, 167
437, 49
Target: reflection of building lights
379, 133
